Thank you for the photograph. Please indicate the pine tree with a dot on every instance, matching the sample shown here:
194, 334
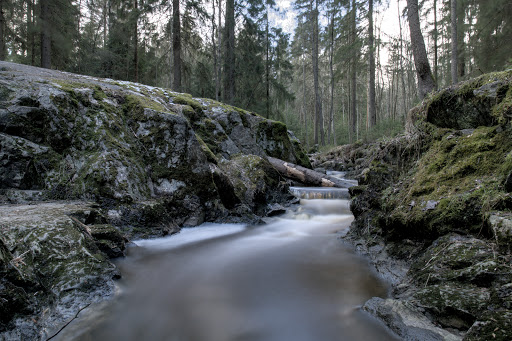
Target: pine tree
425, 79
229, 52
454, 41
371, 119
176, 45
46, 42
3, 48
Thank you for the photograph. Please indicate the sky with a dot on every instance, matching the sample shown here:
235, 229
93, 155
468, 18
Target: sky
386, 17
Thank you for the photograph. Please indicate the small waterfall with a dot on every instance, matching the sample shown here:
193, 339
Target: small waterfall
320, 192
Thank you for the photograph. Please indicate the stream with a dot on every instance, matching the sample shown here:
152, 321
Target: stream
291, 279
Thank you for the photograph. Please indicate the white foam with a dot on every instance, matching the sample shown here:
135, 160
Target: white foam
190, 235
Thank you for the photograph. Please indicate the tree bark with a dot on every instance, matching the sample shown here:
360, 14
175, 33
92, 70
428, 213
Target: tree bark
319, 131
46, 41
136, 41
2, 31
353, 75
304, 109
307, 176
229, 60
331, 70
402, 70
454, 59
425, 79
267, 61
371, 116
176, 45
436, 76
219, 51
214, 48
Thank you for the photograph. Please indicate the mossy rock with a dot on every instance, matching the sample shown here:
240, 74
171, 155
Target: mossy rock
256, 183
482, 101
501, 225
108, 239
493, 325
452, 304
454, 185
276, 141
461, 259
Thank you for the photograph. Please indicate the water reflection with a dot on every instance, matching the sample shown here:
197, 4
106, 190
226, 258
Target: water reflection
289, 280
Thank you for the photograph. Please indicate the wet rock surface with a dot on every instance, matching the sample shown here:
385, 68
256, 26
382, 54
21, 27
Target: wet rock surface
51, 267
433, 211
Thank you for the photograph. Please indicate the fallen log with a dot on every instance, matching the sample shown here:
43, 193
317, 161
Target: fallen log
307, 176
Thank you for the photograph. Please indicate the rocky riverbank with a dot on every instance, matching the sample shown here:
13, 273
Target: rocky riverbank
434, 213
87, 164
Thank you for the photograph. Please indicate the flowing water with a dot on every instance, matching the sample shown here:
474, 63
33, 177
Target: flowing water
289, 280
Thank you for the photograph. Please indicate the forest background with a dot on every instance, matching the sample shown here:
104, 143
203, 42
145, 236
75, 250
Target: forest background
333, 74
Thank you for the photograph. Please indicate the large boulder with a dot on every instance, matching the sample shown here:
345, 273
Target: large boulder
128, 146
482, 101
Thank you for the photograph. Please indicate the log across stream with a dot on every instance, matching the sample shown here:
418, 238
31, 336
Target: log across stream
289, 280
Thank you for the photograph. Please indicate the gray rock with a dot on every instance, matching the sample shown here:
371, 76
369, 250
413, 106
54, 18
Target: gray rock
406, 320
54, 262
508, 183
501, 225
490, 90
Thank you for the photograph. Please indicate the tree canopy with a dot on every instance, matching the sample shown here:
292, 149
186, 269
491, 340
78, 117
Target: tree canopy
337, 77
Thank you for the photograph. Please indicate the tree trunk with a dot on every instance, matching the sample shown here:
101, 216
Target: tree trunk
176, 45
30, 32
136, 41
307, 176
319, 131
229, 60
436, 75
331, 70
2, 31
219, 51
304, 109
353, 74
425, 79
454, 59
461, 32
46, 41
215, 59
267, 62
371, 116
402, 64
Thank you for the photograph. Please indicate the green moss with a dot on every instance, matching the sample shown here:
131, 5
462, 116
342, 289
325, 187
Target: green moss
209, 133
503, 110
461, 176
454, 305
209, 154
492, 325
272, 136
187, 99
135, 105
98, 93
